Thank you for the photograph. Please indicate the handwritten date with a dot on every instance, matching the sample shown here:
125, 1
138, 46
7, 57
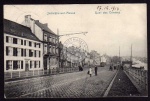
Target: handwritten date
107, 8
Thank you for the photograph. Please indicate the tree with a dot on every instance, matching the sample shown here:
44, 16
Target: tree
94, 54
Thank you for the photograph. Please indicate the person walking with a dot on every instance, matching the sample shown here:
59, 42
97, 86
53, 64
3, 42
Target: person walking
95, 70
90, 71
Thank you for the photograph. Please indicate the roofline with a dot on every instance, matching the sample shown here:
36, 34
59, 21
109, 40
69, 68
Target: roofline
16, 23
44, 29
23, 26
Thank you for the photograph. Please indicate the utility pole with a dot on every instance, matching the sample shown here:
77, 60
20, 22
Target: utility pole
131, 56
119, 55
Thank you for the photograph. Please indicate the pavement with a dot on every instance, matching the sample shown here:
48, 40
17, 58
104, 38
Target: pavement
122, 86
70, 85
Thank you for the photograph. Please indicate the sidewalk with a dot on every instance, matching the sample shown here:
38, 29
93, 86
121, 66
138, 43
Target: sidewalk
122, 86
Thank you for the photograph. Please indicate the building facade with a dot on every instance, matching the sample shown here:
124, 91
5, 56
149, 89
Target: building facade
49, 40
22, 49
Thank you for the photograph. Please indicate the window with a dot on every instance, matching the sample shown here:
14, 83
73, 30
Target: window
45, 49
25, 42
34, 44
7, 51
25, 52
21, 42
30, 53
7, 39
35, 53
8, 64
39, 64
21, 52
21, 64
14, 40
39, 54
30, 43
35, 64
30, 64
54, 39
45, 37
39, 45
14, 51
50, 48
15, 66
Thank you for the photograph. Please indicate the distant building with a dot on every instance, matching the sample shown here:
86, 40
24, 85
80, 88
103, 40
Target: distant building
22, 49
68, 58
127, 64
49, 40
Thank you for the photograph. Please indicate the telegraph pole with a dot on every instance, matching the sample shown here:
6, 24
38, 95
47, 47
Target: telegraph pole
119, 55
131, 56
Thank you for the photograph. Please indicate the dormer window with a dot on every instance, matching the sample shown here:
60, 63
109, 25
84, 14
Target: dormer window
45, 37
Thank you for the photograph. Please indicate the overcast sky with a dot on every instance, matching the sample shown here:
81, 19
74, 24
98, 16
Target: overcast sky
106, 32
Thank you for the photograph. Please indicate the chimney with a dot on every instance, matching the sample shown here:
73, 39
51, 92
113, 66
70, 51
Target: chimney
27, 20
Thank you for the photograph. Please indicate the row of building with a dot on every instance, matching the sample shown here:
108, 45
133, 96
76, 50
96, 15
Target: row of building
33, 46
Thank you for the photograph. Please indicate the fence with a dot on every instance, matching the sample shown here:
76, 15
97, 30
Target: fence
139, 76
32, 73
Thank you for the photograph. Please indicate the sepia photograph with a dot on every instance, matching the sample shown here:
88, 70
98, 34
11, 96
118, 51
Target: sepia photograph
75, 50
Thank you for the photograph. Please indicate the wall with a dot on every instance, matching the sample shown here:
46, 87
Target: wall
139, 78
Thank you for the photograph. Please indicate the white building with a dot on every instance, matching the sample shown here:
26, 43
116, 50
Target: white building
22, 49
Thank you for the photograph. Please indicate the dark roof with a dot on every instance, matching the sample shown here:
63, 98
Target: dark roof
44, 27
19, 30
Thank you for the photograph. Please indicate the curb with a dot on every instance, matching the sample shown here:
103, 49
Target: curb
110, 85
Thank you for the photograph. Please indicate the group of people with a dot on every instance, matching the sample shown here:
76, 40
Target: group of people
90, 71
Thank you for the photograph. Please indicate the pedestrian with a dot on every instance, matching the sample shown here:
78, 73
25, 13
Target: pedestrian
110, 68
90, 71
95, 70
79, 68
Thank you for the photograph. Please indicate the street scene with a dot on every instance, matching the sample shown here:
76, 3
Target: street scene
75, 51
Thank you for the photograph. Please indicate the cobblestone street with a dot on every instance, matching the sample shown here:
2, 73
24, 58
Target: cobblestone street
70, 85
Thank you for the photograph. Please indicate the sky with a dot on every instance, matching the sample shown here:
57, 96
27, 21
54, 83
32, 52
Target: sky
125, 25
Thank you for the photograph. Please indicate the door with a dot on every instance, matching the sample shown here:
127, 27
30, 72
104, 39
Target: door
26, 65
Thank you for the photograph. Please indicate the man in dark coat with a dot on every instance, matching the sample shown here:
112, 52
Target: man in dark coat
95, 70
